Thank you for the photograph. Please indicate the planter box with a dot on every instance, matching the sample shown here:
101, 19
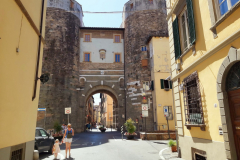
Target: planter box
130, 136
156, 136
174, 148
102, 130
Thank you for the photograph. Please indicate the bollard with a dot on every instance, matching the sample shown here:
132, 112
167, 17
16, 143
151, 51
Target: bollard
35, 155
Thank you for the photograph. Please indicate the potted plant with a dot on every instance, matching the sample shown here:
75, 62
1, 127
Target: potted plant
173, 145
102, 128
131, 128
57, 128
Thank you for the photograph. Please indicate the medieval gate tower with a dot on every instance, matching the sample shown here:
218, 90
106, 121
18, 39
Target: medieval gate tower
82, 61
142, 19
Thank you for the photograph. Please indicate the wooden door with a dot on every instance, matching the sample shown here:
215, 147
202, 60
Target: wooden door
234, 105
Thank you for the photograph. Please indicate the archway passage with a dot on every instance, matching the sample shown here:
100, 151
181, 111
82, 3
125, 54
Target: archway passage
111, 115
233, 89
101, 110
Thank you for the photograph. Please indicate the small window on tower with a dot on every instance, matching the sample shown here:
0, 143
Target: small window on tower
144, 48
131, 5
151, 1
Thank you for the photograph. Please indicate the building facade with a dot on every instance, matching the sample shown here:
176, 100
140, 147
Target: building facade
204, 39
159, 58
142, 19
102, 66
21, 47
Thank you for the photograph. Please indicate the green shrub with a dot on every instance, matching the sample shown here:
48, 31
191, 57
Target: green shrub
57, 126
130, 126
171, 143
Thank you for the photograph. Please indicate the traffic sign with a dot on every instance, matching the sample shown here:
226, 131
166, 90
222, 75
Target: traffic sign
144, 113
144, 107
166, 111
68, 110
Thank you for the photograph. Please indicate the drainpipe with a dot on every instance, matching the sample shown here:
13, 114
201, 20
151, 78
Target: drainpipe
39, 52
125, 88
175, 119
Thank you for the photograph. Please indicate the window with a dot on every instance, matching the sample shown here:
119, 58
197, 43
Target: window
166, 84
151, 1
117, 57
87, 37
117, 38
184, 33
225, 5
87, 57
183, 18
146, 85
43, 133
37, 133
131, 5
144, 48
18, 154
192, 100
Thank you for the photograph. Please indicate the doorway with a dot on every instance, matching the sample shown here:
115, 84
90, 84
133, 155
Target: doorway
233, 90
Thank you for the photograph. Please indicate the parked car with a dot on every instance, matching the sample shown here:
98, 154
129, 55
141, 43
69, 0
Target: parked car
43, 141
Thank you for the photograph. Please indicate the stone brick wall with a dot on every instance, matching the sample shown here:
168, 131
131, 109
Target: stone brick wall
61, 61
139, 27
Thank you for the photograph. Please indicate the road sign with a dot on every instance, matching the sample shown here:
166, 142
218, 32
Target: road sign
41, 109
145, 113
166, 111
68, 110
144, 107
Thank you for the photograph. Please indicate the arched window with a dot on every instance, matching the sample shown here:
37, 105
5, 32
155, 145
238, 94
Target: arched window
233, 78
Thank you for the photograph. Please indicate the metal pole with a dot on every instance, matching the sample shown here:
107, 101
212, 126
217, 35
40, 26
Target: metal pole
68, 118
145, 124
45, 118
168, 129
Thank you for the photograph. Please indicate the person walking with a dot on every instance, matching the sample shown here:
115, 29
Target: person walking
56, 148
69, 133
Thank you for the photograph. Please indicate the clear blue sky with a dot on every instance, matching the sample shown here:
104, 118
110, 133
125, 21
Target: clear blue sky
102, 20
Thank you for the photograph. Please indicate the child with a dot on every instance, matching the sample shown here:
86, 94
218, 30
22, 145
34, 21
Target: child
56, 148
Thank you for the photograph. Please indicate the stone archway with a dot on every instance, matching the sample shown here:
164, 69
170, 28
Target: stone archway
116, 95
232, 58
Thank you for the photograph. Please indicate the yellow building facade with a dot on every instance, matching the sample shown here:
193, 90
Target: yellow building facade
160, 72
204, 39
21, 47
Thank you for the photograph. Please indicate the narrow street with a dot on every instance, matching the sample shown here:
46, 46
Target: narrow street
94, 145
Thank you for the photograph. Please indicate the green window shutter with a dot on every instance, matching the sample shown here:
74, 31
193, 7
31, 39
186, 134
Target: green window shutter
177, 46
162, 83
170, 84
191, 23
152, 86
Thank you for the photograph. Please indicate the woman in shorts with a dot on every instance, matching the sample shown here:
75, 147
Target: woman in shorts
69, 133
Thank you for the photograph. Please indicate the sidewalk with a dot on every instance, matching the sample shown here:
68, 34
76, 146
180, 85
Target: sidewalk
169, 155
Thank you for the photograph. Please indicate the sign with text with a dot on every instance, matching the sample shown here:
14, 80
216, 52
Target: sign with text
166, 111
144, 107
144, 113
68, 110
